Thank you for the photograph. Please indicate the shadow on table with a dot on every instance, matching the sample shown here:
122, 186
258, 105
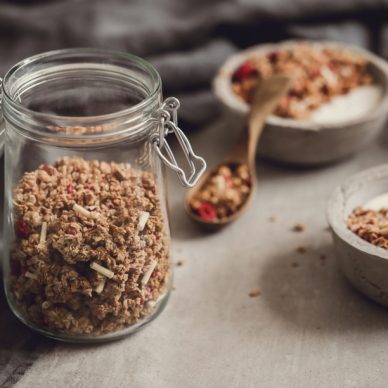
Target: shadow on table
19, 346
309, 292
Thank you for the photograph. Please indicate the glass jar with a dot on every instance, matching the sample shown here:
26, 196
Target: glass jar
2, 134
87, 242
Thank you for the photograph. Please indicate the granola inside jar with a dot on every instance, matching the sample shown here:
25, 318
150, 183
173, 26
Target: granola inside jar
87, 255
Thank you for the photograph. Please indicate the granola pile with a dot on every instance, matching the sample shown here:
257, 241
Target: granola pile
318, 75
91, 252
223, 193
370, 225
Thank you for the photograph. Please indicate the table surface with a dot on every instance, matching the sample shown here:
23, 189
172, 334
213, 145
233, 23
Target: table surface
307, 328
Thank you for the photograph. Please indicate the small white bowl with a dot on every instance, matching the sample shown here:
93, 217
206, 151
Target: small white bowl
305, 142
364, 264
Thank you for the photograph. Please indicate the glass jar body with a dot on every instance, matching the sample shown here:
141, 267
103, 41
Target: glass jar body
87, 242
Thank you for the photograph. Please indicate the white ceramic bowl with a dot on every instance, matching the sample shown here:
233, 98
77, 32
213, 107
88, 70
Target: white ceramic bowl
304, 142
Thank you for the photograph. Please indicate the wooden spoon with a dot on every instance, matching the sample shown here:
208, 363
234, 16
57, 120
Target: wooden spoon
265, 99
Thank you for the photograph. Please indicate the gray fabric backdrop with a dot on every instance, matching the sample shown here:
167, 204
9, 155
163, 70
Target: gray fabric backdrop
186, 41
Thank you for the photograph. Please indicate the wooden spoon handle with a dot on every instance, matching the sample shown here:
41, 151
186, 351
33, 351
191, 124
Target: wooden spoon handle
265, 99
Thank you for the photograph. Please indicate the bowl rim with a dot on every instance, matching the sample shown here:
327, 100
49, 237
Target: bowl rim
335, 212
223, 92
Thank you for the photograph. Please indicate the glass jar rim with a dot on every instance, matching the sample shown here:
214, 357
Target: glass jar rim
9, 101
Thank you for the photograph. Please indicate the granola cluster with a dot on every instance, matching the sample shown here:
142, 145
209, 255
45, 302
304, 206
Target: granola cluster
318, 75
91, 252
223, 193
370, 225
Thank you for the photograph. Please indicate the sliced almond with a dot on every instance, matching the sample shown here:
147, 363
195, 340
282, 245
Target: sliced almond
100, 286
84, 212
43, 233
102, 270
220, 184
143, 218
147, 275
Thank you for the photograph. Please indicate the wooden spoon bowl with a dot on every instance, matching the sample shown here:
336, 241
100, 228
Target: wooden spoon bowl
265, 99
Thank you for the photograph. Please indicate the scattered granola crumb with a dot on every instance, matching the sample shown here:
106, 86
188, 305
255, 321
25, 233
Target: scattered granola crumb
180, 263
273, 219
301, 249
255, 293
298, 228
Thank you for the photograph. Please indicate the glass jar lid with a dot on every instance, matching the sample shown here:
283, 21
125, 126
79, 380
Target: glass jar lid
81, 92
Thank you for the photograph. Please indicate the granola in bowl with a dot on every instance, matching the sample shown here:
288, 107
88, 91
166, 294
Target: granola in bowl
91, 249
337, 128
319, 74
371, 225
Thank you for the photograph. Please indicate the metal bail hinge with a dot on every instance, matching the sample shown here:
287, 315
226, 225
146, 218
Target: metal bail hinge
168, 123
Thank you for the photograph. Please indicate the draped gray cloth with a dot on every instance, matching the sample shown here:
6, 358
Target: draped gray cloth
186, 41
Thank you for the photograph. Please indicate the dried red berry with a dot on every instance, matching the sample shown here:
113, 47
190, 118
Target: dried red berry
70, 188
246, 70
248, 182
71, 230
315, 72
46, 168
23, 228
333, 64
207, 212
273, 56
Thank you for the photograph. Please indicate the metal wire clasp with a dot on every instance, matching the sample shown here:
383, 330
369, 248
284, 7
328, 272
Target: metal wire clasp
168, 123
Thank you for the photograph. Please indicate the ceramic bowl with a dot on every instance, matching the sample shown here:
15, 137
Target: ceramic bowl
364, 264
303, 142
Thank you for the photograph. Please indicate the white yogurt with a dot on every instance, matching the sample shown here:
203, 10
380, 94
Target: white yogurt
354, 105
377, 203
